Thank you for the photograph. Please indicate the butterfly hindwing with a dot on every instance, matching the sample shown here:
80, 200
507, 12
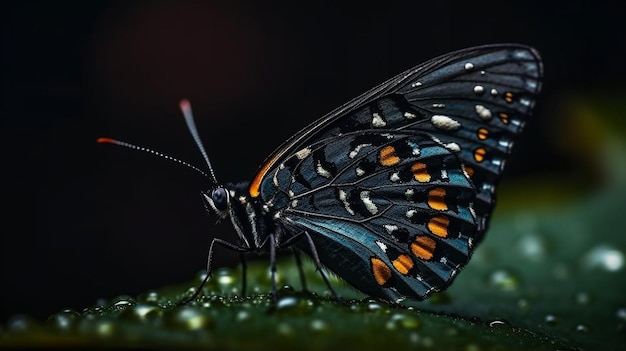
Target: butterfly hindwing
390, 213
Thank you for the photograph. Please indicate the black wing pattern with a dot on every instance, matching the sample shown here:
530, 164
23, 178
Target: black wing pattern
397, 186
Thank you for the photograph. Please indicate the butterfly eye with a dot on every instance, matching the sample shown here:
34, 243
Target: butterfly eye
220, 199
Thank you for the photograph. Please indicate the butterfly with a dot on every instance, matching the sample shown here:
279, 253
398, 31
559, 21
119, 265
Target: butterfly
394, 190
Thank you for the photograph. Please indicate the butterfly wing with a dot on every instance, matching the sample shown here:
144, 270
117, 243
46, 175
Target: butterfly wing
460, 114
390, 213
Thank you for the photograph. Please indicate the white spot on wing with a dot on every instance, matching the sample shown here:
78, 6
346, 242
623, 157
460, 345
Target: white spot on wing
369, 204
390, 228
381, 245
275, 178
494, 92
469, 66
416, 84
356, 150
409, 115
483, 112
394, 177
377, 120
343, 197
359, 171
409, 193
479, 89
416, 148
439, 105
303, 153
444, 122
410, 213
453, 147
322, 171
444, 174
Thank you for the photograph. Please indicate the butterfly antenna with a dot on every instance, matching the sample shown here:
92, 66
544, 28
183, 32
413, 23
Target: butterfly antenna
185, 106
150, 151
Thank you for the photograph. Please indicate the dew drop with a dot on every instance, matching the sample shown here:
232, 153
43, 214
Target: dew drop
581, 328
287, 289
224, 277
20, 323
64, 320
142, 313
583, 298
533, 247
151, 296
242, 316
319, 326
105, 328
373, 305
402, 321
621, 314
414, 338
294, 304
122, 302
551, 319
286, 302
504, 280
604, 257
190, 318
285, 329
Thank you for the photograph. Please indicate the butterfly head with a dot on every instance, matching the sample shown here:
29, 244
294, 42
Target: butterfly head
218, 200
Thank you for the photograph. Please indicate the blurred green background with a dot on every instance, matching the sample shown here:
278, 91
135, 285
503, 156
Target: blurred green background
83, 223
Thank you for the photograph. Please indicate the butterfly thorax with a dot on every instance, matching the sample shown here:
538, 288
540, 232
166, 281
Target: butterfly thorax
251, 218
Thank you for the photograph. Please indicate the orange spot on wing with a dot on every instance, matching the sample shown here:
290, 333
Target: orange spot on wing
479, 154
437, 199
508, 96
438, 225
403, 264
420, 172
388, 156
380, 270
469, 170
504, 118
482, 133
423, 247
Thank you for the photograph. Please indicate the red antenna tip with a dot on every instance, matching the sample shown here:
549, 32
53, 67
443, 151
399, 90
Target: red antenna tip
185, 105
106, 141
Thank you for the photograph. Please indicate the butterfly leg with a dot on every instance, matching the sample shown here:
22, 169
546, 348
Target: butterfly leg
244, 272
273, 266
296, 254
208, 275
318, 265
316, 260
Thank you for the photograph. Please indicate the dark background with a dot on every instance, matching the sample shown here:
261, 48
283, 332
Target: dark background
82, 221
